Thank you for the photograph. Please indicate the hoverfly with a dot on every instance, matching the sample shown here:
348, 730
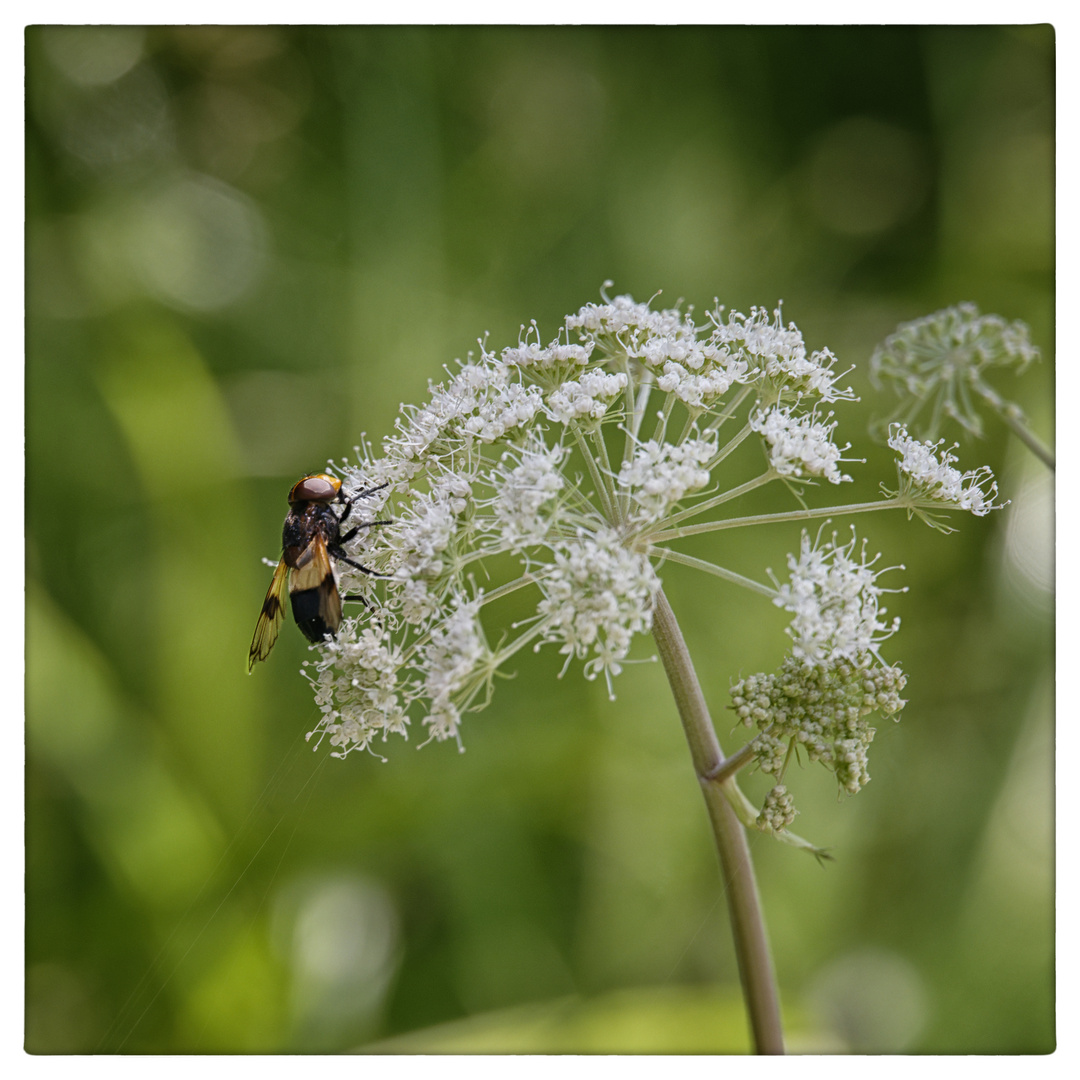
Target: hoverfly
310, 537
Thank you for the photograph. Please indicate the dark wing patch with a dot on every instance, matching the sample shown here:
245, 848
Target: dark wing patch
316, 602
270, 618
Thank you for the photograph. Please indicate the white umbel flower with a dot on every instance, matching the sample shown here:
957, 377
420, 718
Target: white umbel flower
514, 407
800, 446
525, 493
537, 358
926, 473
597, 596
586, 398
779, 353
564, 474
660, 475
424, 536
835, 601
450, 658
633, 323
697, 389
358, 692
937, 367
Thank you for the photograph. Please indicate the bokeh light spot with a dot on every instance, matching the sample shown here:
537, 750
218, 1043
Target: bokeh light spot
197, 244
94, 55
865, 177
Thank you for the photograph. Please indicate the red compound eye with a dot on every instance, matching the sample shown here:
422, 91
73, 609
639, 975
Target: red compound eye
316, 488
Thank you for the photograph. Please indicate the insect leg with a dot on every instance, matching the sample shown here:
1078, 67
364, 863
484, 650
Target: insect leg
363, 600
356, 528
360, 495
342, 557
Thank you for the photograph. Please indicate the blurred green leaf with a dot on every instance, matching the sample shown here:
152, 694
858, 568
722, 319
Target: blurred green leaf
654, 1021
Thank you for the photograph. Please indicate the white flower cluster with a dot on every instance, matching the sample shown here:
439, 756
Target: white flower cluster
525, 493
634, 324
927, 477
834, 600
587, 398
937, 366
513, 408
557, 357
451, 657
778, 352
596, 597
429, 526
563, 472
699, 370
800, 446
358, 688
659, 475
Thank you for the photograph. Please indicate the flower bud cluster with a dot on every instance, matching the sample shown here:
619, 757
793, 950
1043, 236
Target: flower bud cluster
778, 811
821, 709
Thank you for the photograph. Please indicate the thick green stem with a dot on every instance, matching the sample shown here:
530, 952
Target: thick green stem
744, 905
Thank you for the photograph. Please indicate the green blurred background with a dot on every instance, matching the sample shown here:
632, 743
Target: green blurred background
245, 247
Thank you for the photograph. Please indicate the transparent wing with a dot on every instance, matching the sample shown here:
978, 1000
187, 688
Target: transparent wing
270, 618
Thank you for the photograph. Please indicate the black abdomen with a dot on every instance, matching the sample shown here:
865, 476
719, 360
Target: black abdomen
305, 609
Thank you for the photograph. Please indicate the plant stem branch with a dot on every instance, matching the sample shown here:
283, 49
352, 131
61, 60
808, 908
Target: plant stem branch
787, 515
712, 568
744, 905
719, 500
600, 483
1030, 440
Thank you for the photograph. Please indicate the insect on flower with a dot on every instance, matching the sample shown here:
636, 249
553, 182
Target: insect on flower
310, 537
